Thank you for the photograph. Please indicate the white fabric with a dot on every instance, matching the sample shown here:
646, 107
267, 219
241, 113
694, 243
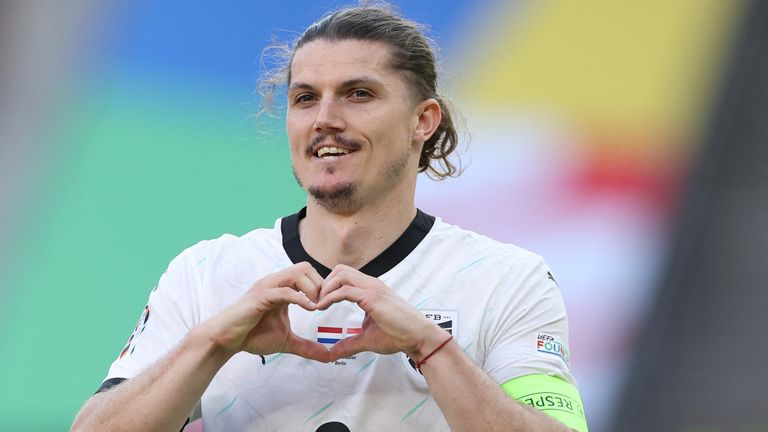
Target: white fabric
500, 298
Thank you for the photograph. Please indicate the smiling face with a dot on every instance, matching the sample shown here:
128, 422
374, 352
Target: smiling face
354, 127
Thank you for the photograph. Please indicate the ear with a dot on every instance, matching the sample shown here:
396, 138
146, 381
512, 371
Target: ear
427, 117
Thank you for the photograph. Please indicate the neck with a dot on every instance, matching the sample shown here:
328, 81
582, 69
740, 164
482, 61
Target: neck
356, 238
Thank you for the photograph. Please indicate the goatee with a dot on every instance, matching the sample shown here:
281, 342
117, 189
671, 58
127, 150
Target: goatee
339, 199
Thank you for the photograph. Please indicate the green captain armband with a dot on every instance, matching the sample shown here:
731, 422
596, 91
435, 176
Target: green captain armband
550, 395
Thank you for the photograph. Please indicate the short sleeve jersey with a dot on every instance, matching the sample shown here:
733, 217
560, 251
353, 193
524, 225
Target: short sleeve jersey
500, 303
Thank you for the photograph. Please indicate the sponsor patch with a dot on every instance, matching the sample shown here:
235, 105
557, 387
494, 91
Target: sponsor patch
549, 345
139, 329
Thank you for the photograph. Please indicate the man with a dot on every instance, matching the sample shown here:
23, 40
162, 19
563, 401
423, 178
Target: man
360, 312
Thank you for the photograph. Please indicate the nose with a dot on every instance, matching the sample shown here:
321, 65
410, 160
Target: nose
329, 117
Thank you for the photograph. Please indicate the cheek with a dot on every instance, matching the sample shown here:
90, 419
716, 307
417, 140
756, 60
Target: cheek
294, 134
297, 120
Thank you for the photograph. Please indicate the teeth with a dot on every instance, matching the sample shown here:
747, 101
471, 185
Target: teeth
333, 150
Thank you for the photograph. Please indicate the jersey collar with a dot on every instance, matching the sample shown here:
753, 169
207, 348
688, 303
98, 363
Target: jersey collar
393, 255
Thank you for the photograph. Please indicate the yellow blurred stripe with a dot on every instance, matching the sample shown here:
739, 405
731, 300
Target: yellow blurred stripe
642, 65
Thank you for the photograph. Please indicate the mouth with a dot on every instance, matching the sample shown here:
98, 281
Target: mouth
331, 152
334, 148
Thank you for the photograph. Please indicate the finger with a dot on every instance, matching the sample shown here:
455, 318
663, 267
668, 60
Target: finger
329, 285
351, 276
306, 348
347, 347
345, 292
284, 295
309, 272
338, 268
344, 275
288, 276
313, 275
304, 284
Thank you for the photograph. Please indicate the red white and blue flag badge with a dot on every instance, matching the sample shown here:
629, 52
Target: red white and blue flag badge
331, 335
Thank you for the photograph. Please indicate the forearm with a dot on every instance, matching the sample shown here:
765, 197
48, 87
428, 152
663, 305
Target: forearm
468, 397
161, 398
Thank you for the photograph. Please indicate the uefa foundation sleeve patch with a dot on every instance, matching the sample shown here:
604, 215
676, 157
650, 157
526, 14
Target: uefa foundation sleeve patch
548, 344
550, 395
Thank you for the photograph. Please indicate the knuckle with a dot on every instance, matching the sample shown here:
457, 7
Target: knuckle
341, 267
374, 296
254, 302
258, 286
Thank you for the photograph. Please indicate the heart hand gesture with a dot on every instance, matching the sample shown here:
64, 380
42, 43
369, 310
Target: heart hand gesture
258, 322
391, 325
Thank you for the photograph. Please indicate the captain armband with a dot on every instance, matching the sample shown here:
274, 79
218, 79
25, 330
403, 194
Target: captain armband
550, 395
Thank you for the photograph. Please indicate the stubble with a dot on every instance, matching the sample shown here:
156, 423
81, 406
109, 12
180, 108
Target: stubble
345, 197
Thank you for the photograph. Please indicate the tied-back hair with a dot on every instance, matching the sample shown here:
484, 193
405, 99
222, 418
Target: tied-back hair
412, 54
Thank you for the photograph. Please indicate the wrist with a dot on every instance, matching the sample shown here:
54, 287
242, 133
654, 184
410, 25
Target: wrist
433, 338
201, 338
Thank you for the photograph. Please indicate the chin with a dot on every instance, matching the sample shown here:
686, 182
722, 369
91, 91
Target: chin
340, 198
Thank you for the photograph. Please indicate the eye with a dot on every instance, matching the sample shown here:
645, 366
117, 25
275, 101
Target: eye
361, 94
303, 98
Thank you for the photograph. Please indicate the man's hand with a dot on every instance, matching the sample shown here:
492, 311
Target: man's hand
258, 322
391, 325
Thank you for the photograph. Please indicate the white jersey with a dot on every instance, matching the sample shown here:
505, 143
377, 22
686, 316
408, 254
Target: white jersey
499, 302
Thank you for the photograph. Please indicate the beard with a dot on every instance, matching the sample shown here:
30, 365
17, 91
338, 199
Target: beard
344, 197
337, 199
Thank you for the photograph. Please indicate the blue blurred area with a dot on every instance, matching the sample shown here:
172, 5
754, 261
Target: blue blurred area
222, 42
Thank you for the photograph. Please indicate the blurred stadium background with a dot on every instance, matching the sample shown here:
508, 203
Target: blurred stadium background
623, 141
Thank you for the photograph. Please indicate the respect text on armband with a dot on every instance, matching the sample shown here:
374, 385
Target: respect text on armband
544, 401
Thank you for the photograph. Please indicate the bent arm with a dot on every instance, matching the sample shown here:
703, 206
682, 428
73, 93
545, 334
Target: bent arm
468, 397
480, 404
160, 398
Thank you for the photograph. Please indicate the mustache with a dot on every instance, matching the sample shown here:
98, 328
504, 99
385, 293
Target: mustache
337, 139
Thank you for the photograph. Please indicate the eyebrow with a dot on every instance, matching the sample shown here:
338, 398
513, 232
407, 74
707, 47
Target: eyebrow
345, 84
300, 85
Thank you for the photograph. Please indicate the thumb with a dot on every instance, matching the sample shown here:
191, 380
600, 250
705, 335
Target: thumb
347, 347
306, 348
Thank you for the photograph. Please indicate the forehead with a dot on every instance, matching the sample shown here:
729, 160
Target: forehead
323, 60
